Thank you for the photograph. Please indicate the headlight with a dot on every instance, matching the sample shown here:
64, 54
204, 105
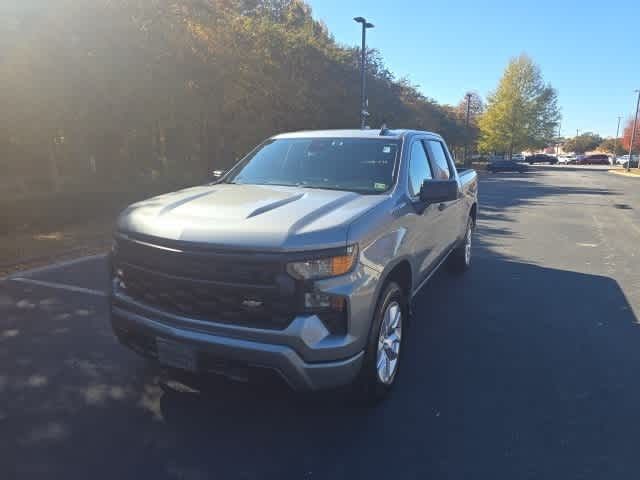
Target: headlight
325, 267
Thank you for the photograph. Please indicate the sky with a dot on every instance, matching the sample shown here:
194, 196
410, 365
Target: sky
589, 51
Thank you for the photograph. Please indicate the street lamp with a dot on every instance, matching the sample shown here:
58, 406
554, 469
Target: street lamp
363, 65
466, 139
633, 134
615, 143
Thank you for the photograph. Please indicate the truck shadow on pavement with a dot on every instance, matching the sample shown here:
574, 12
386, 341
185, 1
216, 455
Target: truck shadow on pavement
501, 380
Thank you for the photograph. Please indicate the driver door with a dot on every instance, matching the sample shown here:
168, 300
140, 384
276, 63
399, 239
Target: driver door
425, 242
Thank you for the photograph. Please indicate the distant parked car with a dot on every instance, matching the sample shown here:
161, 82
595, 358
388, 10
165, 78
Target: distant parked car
517, 157
634, 163
625, 158
506, 166
566, 159
596, 159
541, 158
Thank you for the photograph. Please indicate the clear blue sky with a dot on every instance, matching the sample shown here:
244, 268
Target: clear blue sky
589, 51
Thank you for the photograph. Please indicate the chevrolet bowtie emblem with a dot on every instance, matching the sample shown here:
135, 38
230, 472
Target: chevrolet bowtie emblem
252, 303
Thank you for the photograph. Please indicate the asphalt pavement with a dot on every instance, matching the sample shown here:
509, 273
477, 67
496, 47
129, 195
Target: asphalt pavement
526, 367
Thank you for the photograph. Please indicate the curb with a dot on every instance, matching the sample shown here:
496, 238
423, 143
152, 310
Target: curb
624, 173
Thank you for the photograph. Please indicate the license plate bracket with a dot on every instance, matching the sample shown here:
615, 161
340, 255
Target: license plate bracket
176, 355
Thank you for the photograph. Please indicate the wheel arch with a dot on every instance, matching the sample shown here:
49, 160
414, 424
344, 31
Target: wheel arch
401, 272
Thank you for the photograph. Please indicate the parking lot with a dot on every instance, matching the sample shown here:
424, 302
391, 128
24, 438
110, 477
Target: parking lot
527, 367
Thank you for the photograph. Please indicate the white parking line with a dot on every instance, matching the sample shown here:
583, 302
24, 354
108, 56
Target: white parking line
58, 286
55, 266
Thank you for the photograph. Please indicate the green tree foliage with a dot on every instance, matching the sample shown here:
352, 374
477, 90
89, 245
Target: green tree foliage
585, 142
522, 113
127, 90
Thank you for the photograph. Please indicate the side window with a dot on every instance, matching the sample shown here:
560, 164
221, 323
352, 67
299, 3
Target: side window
419, 169
440, 164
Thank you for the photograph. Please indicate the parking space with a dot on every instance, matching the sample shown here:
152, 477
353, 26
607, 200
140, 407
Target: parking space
526, 367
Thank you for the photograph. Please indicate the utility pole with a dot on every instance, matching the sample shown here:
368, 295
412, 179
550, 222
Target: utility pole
633, 134
363, 65
615, 143
558, 142
466, 143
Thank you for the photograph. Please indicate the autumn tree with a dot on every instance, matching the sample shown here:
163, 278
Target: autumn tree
522, 113
626, 136
583, 143
96, 91
612, 146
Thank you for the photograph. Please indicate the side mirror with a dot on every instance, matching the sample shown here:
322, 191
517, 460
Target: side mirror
439, 191
218, 174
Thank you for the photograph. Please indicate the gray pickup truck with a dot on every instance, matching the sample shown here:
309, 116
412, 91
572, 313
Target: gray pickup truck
301, 260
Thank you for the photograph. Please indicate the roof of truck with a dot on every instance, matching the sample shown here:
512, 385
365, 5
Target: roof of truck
353, 133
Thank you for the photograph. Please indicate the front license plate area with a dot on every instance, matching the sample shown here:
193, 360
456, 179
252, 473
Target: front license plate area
176, 355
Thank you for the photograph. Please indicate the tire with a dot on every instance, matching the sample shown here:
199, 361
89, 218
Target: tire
460, 259
373, 383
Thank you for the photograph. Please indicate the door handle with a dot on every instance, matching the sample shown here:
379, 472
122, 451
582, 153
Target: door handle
442, 206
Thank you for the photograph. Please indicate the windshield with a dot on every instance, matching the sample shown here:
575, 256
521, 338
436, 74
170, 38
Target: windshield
353, 164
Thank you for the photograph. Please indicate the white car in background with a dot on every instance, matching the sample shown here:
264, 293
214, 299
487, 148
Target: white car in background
517, 157
566, 159
622, 159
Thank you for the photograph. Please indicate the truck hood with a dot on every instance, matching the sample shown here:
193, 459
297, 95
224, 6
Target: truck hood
257, 217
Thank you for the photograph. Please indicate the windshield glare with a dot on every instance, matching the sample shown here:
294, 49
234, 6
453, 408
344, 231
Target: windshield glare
353, 164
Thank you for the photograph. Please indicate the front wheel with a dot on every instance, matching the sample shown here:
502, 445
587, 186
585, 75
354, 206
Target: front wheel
384, 347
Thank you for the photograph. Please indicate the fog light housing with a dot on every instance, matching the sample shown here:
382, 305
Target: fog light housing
331, 309
316, 300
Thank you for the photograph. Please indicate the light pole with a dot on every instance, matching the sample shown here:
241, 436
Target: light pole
363, 66
633, 134
466, 142
558, 142
615, 143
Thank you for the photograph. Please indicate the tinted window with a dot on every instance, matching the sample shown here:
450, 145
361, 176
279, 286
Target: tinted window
419, 169
354, 164
439, 160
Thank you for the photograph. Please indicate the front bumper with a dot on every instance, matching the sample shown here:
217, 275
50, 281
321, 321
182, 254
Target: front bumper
230, 354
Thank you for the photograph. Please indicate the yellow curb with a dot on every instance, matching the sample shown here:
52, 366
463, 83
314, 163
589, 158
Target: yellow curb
624, 173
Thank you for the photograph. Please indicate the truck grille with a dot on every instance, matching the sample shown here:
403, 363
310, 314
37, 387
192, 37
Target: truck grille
242, 289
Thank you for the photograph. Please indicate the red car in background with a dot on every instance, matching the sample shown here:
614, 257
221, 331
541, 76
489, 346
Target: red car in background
595, 159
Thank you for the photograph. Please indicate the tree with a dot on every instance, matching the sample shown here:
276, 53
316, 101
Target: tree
172, 89
522, 113
612, 146
582, 143
626, 136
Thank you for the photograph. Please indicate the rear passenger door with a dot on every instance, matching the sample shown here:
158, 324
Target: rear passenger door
451, 212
